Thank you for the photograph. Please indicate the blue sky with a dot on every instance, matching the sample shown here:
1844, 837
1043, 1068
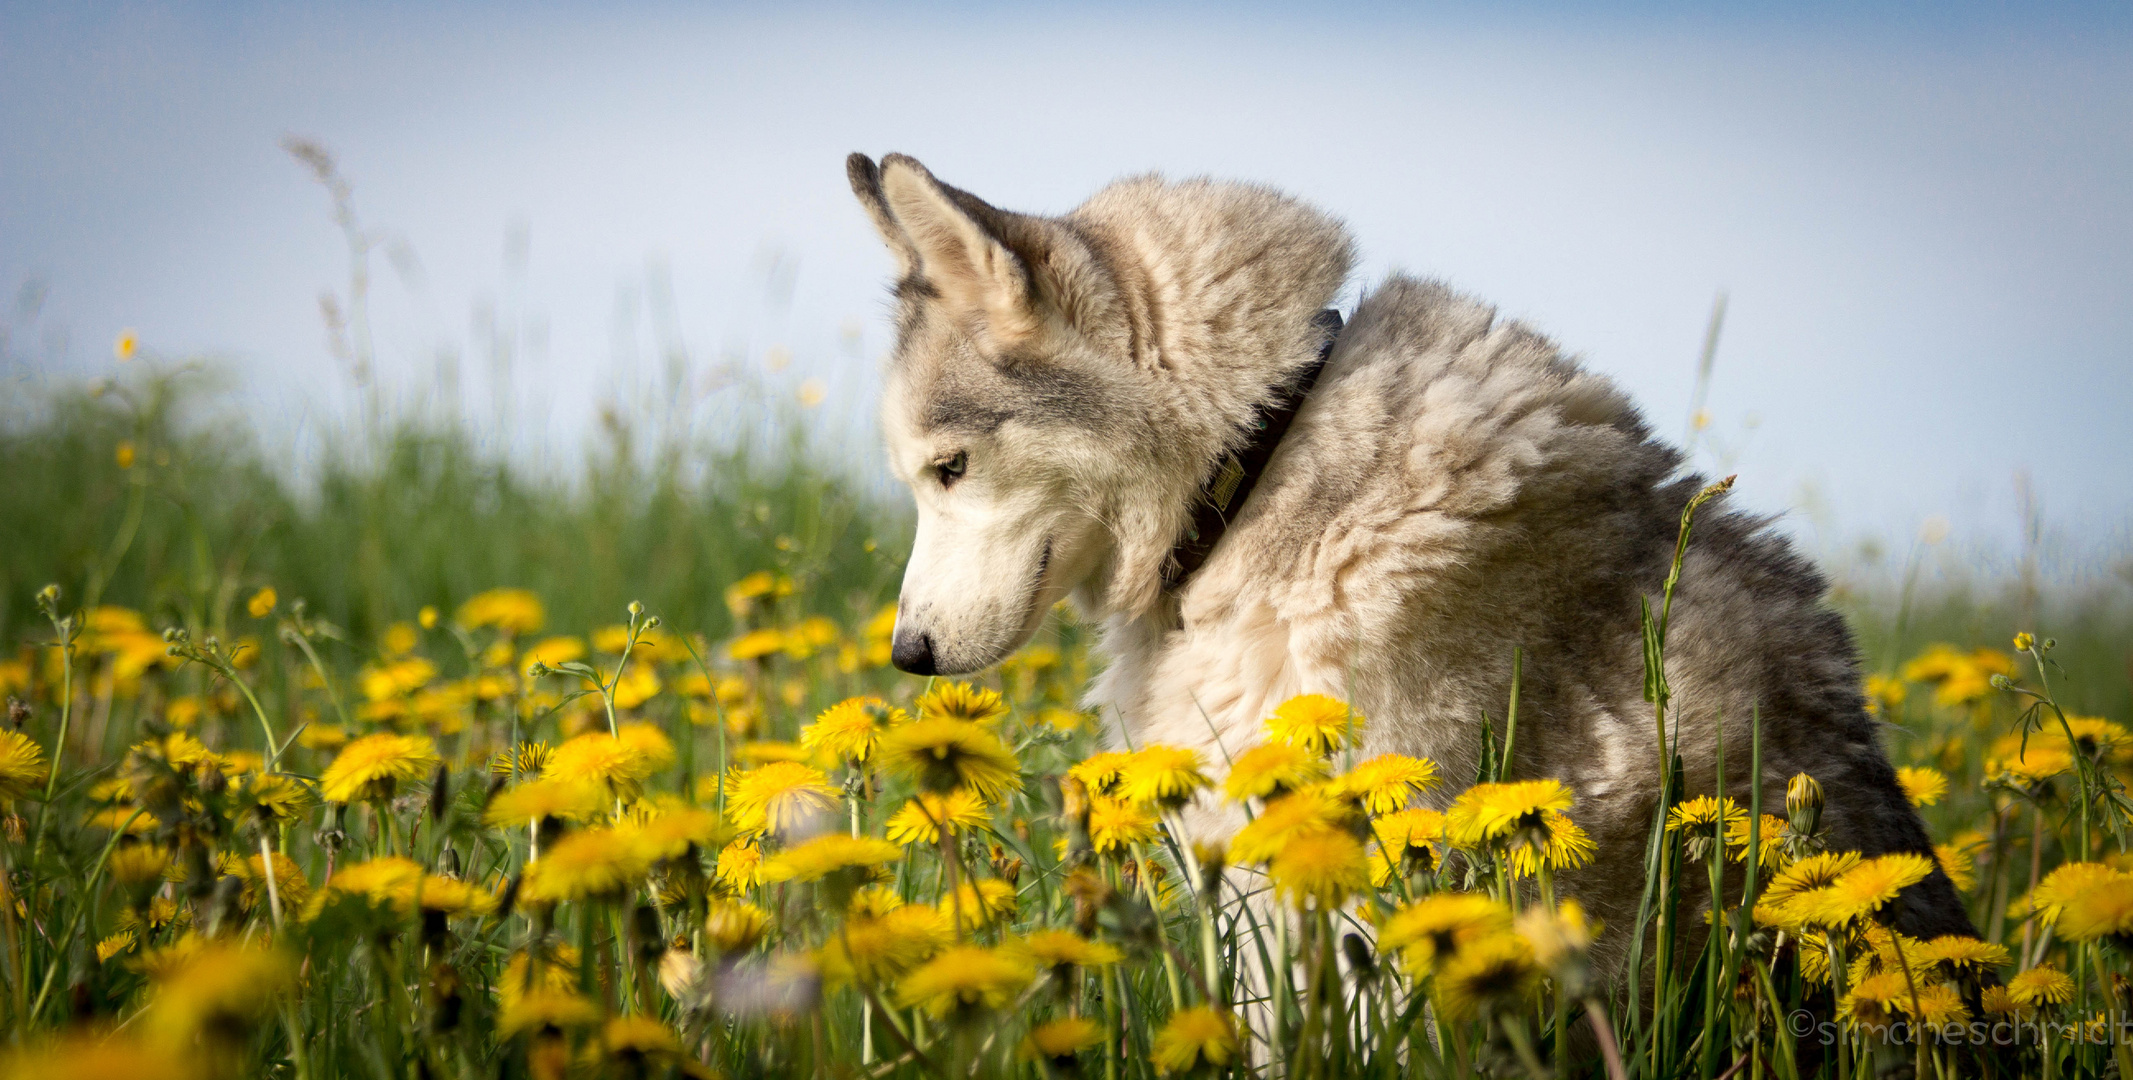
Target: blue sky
1923, 215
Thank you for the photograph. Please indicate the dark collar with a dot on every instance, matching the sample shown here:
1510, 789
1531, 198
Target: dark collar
1237, 473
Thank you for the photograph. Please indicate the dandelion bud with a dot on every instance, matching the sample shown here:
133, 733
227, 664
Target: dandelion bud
172, 633
652, 623
647, 940
213, 643
537, 670
1213, 856
636, 609
1360, 962
1803, 803
2025, 641
2050, 644
48, 600
440, 792
2000, 682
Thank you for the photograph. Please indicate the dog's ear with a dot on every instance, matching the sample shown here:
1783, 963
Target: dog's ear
961, 250
866, 183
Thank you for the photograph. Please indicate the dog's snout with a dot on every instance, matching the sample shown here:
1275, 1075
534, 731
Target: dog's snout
912, 651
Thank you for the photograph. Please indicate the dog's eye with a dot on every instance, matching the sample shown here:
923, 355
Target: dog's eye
952, 469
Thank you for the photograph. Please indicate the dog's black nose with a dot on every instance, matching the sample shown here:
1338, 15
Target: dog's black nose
913, 652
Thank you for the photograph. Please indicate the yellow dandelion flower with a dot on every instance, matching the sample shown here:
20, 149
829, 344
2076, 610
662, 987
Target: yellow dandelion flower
637, 685
554, 651
1995, 999
594, 864
1863, 889
1961, 952
22, 768
849, 730
218, 987
290, 884
672, 827
756, 644
1958, 864
545, 1009
597, 757
136, 866
921, 819
740, 866
779, 797
1115, 824
1315, 722
1484, 973
979, 904
527, 803
262, 603
1559, 938
1438, 925
1705, 813
876, 949
942, 754
961, 701
1555, 840
765, 751
1922, 786
1062, 1038
1487, 813
639, 1037
1771, 834
2041, 986
1387, 782
965, 978
1781, 903
1307, 811
2027, 765
733, 926
1326, 866
1064, 720
513, 611
1064, 948
402, 884
1418, 827
2066, 881
1163, 775
1192, 1037
2102, 910
1884, 694
876, 901
828, 854
1100, 772
1938, 1004
97, 1055
371, 767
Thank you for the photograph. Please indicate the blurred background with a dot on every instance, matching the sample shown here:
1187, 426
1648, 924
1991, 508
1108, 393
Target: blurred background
575, 296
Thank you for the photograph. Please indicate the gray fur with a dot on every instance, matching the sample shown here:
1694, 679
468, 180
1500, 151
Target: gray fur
1455, 488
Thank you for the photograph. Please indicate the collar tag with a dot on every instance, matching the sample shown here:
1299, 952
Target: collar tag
1230, 487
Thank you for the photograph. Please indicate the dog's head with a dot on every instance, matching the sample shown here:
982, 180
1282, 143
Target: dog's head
1009, 409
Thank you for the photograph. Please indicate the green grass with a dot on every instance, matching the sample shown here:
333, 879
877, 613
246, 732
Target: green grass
412, 514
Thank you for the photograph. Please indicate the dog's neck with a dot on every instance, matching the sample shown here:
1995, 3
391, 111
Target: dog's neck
1219, 284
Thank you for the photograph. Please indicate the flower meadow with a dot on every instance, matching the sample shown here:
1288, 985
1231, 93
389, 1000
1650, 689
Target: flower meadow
470, 839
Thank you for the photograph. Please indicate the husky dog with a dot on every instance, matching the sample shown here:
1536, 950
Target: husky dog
1452, 489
